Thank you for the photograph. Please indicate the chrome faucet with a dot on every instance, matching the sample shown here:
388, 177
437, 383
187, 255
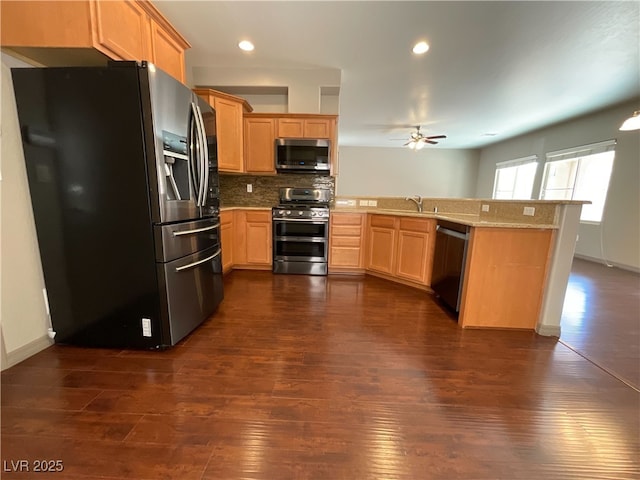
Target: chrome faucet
418, 202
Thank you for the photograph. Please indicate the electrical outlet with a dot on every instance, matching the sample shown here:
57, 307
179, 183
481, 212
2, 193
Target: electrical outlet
373, 203
364, 203
485, 208
530, 211
249, 188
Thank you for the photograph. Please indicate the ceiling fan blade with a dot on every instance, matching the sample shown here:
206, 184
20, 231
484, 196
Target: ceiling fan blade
431, 137
410, 141
430, 141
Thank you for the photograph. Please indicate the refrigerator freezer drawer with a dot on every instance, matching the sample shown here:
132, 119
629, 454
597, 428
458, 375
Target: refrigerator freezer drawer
193, 288
180, 239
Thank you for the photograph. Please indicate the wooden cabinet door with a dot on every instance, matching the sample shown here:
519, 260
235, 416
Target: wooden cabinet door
226, 239
259, 146
290, 128
46, 24
381, 239
229, 132
415, 250
167, 54
122, 28
346, 241
317, 128
382, 247
259, 239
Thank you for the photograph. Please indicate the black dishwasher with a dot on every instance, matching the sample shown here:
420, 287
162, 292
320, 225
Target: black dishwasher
448, 262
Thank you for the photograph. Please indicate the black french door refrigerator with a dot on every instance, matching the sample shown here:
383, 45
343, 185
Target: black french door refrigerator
123, 177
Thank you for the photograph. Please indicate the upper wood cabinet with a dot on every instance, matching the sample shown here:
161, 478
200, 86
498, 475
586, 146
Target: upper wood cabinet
306, 127
259, 146
262, 129
89, 32
229, 127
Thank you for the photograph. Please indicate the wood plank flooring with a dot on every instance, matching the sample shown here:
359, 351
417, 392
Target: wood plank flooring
323, 378
601, 318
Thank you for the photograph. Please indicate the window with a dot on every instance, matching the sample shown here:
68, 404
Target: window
580, 174
514, 179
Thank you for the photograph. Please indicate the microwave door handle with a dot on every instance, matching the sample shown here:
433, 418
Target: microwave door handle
205, 158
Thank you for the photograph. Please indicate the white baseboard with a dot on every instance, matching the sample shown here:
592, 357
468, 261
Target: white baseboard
602, 262
22, 353
548, 330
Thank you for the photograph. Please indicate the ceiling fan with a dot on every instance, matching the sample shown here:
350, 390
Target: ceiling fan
417, 140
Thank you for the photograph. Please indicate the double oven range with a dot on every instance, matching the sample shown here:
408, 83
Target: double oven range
301, 231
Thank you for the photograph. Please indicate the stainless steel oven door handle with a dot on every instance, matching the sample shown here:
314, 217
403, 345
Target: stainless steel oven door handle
195, 230
199, 262
317, 220
452, 233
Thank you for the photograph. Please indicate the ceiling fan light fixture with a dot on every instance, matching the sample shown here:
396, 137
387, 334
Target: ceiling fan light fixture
246, 45
420, 48
419, 145
631, 123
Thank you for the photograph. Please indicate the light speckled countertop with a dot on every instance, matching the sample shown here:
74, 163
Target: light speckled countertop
462, 218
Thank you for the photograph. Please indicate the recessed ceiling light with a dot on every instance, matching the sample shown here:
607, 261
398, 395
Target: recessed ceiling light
420, 48
490, 134
246, 45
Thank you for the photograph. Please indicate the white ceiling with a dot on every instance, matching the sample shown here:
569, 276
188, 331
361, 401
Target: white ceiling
504, 67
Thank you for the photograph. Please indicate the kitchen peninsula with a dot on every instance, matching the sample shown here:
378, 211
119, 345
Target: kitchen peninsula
517, 265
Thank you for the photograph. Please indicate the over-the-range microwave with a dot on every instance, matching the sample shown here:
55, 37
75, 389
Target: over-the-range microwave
296, 155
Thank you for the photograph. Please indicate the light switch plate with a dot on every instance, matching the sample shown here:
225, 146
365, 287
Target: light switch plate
373, 203
485, 208
530, 211
364, 203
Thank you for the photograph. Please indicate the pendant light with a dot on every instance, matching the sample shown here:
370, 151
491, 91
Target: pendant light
632, 123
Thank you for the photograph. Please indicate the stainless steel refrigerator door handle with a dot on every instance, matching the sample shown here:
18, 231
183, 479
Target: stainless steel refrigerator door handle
205, 158
199, 262
200, 149
195, 230
194, 148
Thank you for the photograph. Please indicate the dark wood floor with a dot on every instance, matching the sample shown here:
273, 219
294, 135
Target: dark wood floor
601, 318
323, 378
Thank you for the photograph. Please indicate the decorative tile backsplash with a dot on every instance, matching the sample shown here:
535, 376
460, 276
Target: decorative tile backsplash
233, 188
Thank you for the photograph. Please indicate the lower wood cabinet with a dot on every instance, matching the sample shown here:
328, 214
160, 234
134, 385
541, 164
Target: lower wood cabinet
346, 242
415, 250
227, 239
382, 233
400, 248
253, 239
506, 271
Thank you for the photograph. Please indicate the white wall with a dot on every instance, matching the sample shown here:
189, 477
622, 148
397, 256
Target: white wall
618, 236
393, 172
23, 316
304, 85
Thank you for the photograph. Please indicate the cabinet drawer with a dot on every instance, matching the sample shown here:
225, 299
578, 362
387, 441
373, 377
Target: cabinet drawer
257, 216
345, 241
415, 225
346, 230
345, 257
383, 221
347, 218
